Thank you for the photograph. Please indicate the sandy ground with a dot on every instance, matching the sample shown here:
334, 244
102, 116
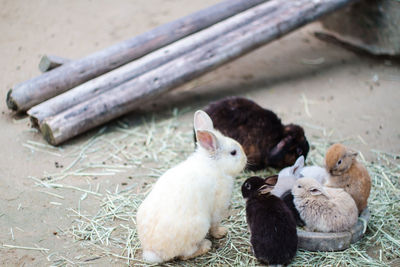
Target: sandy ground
346, 95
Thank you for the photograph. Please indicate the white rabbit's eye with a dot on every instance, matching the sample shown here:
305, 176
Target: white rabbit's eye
299, 186
233, 152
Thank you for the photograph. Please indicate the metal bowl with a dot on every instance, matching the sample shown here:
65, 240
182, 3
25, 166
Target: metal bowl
317, 241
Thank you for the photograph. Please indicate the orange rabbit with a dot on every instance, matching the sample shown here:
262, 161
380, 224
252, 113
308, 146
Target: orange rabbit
347, 173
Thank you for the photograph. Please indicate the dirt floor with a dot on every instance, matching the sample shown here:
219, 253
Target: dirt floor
330, 91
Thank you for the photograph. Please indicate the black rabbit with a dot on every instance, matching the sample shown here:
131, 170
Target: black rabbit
272, 226
265, 140
287, 197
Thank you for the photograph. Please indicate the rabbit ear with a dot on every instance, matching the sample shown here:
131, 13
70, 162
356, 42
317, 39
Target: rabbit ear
202, 121
351, 153
271, 180
207, 140
265, 189
315, 191
279, 147
297, 167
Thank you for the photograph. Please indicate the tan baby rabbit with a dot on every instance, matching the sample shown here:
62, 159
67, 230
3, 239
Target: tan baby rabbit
347, 173
191, 199
324, 209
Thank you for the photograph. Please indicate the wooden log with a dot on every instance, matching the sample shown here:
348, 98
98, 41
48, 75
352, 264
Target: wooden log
49, 62
285, 17
27, 94
135, 68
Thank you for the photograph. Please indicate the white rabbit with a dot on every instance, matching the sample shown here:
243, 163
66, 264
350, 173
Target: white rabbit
191, 198
288, 176
318, 173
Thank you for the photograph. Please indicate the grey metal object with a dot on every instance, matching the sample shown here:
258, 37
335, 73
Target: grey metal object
317, 241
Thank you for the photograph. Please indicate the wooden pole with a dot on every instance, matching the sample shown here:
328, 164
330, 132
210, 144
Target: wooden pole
287, 16
135, 68
27, 94
49, 62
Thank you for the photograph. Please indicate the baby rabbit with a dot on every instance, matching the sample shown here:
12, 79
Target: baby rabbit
287, 177
283, 186
324, 209
191, 198
316, 172
347, 173
265, 140
272, 226
287, 196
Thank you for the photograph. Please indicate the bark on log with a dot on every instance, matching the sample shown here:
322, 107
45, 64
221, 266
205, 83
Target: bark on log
27, 94
133, 69
287, 16
49, 62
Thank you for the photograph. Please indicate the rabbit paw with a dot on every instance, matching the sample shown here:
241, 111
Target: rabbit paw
203, 248
218, 232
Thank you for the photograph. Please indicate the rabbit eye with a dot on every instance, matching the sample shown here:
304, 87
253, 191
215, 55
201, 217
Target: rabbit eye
233, 152
339, 162
299, 151
299, 186
248, 186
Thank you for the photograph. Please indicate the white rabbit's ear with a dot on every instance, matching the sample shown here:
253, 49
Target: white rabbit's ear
297, 167
315, 191
207, 140
202, 121
318, 191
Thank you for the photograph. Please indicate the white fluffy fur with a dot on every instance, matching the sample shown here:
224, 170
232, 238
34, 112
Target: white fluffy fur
316, 172
289, 175
188, 200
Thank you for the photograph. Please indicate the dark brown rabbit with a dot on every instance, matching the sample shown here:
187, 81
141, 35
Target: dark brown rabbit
265, 140
271, 223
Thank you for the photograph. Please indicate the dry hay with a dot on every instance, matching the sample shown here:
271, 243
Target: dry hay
146, 150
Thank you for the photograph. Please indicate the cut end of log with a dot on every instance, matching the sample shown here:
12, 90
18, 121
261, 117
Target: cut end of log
35, 122
35, 117
11, 104
48, 134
